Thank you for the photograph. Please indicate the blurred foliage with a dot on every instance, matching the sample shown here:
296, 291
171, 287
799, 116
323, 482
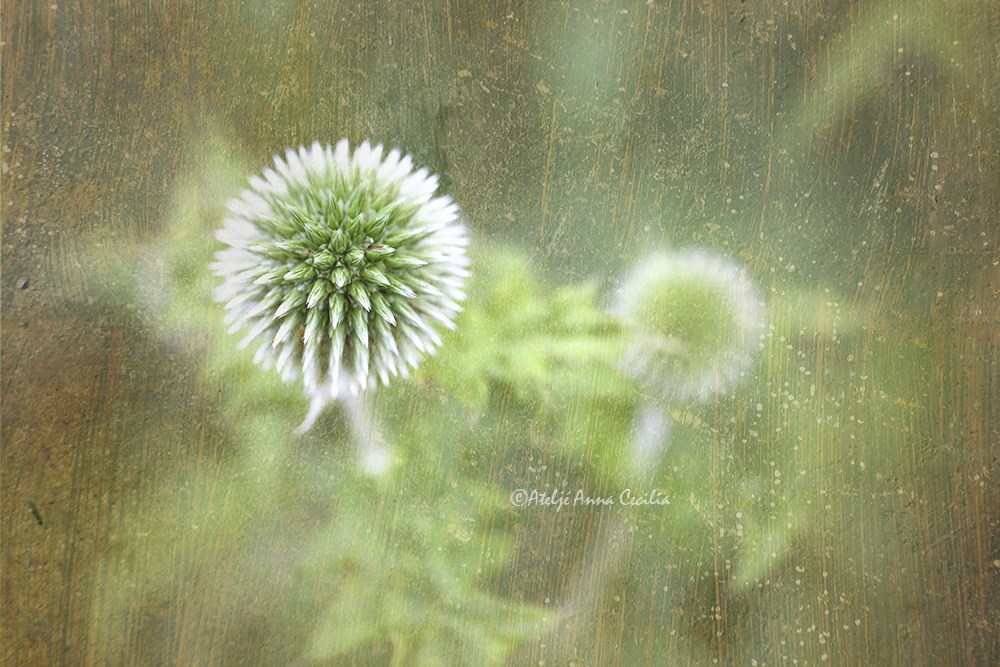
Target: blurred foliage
539, 346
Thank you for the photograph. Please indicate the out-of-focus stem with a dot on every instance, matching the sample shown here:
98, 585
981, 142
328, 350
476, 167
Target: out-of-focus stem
374, 452
588, 588
650, 442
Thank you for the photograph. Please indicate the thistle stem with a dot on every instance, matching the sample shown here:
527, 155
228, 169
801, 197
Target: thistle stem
650, 442
403, 651
374, 452
316, 407
650, 439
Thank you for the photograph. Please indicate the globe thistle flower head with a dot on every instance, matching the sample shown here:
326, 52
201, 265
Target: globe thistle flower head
693, 320
342, 267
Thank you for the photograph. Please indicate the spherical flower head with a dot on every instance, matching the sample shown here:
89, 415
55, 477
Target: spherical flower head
342, 267
693, 320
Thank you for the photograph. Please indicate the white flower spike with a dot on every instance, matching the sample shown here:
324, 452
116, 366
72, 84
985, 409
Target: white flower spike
693, 320
341, 268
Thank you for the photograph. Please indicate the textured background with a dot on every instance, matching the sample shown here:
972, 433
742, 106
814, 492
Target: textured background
842, 145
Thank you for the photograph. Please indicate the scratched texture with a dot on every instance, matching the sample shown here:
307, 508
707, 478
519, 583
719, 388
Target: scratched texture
847, 144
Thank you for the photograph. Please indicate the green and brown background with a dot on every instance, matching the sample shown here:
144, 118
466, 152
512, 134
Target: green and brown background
838, 507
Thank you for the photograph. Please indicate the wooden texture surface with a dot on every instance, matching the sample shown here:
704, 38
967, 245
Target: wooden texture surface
566, 130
